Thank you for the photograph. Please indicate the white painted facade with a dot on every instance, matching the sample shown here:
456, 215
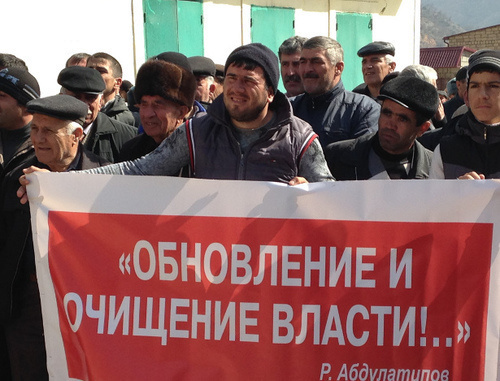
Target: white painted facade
45, 34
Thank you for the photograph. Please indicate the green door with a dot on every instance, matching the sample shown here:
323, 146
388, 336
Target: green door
271, 26
190, 27
354, 30
173, 25
160, 26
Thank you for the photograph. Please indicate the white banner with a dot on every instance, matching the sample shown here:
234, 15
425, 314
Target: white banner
167, 278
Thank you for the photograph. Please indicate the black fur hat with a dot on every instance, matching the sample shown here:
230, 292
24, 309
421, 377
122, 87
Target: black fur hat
169, 81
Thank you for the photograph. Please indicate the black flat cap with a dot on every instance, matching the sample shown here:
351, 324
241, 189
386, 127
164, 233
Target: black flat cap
64, 107
81, 79
412, 93
377, 47
178, 59
202, 65
19, 84
484, 59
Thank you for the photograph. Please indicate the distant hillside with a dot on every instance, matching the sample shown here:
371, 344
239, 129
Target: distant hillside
434, 26
468, 14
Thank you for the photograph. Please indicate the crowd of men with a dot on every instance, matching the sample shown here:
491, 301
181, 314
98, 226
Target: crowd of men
187, 116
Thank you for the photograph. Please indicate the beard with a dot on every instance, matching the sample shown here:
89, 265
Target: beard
245, 114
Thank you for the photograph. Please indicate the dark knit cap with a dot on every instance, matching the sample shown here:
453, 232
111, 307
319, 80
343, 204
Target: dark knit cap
484, 59
461, 74
178, 59
262, 56
413, 93
202, 65
169, 81
81, 79
60, 106
19, 84
377, 47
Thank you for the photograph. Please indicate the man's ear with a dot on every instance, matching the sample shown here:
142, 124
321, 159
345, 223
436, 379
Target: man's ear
78, 134
466, 97
270, 94
25, 111
392, 66
212, 88
183, 111
118, 83
339, 68
423, 127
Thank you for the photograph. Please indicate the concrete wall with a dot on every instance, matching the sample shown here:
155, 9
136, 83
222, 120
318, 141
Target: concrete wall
46, 33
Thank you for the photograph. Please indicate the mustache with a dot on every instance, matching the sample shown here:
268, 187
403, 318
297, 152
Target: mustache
310, 75
292, 78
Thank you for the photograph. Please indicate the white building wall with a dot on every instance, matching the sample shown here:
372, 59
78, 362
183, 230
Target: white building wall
222, 29
46, 33
403, 30
312, 18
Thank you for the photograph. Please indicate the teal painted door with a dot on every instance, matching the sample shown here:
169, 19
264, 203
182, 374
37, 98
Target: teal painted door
353, 31
160, 26
271, 26
190, 27
173, 25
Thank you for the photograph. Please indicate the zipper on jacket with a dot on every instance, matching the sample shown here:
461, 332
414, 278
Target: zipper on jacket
487, 153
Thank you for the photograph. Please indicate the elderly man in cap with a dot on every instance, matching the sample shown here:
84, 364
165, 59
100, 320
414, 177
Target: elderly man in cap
377, 61
56, 131
102, 135
408, 104
473, 152
17, 87
333, 112
249, 133
204, 70
165, 94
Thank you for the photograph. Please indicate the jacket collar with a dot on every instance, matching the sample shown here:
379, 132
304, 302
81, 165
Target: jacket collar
479, 132
326, 97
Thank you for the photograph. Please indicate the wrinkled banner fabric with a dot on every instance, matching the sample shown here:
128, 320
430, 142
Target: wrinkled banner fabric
164, 278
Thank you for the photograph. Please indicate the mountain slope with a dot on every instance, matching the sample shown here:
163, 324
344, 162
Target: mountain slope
434, 25
468, 14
